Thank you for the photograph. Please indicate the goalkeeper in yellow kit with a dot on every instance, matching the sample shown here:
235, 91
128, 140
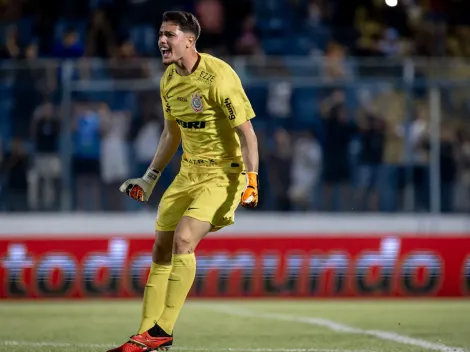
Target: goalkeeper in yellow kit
207, 109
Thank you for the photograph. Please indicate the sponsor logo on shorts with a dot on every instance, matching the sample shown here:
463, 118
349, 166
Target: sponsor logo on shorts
196, 102
197, 125
202, 162
230, 109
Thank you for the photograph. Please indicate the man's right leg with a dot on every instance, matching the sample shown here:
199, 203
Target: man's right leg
157, 281
156, 287
173, 205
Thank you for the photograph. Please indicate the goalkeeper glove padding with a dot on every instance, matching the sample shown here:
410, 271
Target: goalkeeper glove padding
141, 188
250, 194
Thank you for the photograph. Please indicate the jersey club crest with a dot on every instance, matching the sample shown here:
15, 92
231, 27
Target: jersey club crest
196, 102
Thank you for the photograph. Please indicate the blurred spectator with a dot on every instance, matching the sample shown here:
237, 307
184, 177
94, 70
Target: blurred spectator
86, 158
11, 47
248, 43
114, 154
46, 168
145, 143
69, 46
315, 15
279, 161
211, 17
100, 40
367, 43
126, 63
372, 133
335, 65
127, 51
31, 53
338, 135
366, 47
390, 44
279, 97
15, 168
306, 170
415, 175
391, 176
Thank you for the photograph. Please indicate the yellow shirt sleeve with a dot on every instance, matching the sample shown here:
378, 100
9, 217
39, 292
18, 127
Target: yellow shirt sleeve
165, 104
230, 96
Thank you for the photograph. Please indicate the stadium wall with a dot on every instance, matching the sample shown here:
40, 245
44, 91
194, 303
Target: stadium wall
273, 255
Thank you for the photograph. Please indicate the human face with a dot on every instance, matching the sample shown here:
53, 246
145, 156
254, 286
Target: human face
173, 43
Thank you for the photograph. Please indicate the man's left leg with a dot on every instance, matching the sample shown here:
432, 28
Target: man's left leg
188, 234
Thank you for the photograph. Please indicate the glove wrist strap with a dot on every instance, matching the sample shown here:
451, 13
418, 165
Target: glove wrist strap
252, 178
151, 176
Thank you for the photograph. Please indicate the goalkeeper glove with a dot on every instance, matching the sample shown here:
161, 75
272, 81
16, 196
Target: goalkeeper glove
250, 194
141, 188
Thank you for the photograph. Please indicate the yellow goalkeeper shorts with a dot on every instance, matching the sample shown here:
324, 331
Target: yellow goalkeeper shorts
211, 197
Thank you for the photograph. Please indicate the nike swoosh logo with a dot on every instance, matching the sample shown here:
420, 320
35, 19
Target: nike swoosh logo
191, 208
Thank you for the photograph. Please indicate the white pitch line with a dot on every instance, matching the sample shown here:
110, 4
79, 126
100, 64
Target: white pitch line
383, 335
175, 348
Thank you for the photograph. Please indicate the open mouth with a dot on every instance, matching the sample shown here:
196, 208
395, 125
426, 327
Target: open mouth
166, 52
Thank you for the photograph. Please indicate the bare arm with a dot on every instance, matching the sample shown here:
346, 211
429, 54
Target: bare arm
249, 145
167, 146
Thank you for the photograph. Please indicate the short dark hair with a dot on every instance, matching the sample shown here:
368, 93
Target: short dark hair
185, 20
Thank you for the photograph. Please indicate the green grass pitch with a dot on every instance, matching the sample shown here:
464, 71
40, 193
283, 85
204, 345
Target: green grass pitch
251, 326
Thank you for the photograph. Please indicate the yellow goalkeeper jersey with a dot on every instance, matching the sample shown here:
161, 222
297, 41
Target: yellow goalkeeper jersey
207, 105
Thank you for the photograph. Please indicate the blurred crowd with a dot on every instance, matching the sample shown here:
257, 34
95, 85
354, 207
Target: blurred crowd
98, 28
327, 148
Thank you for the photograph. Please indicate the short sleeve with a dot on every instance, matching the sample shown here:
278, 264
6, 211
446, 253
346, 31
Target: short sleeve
230, 96
165, 103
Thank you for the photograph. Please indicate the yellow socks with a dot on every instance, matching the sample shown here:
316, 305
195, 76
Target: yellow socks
154, 295
180, 281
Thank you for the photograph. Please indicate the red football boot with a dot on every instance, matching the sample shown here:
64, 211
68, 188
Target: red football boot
128, 347
146, 343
